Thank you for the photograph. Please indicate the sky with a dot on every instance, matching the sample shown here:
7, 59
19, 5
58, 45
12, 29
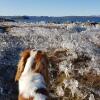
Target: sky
49, 7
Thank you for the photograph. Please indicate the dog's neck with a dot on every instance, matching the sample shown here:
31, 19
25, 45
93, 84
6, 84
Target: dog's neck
28, 65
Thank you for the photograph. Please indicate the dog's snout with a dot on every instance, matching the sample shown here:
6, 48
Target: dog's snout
33, 49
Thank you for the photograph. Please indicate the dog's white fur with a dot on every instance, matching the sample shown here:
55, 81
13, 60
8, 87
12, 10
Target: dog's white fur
29, 81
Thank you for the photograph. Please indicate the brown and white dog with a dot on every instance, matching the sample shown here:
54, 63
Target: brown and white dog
32, 74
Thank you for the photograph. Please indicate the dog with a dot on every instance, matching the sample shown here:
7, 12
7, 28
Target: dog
32, 75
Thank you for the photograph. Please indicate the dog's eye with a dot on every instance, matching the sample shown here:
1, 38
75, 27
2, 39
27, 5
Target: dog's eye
39, 51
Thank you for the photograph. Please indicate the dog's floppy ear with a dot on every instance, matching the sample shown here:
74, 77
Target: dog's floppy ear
21, 64
41, 65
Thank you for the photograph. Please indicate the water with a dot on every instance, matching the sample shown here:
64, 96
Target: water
57, 20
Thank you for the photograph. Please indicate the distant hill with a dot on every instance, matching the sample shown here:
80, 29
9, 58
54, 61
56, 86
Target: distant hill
48, 19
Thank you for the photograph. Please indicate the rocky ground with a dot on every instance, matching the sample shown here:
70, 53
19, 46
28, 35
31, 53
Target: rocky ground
73, 51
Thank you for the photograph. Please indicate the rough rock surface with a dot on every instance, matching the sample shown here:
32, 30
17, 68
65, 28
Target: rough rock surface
73, 51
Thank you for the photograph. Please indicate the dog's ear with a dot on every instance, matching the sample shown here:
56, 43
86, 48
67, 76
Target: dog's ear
21, 64
41, 65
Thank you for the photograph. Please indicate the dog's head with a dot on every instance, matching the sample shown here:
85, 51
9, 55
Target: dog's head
40, 63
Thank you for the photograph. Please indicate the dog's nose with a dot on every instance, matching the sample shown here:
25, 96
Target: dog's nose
38, 50
33, 49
